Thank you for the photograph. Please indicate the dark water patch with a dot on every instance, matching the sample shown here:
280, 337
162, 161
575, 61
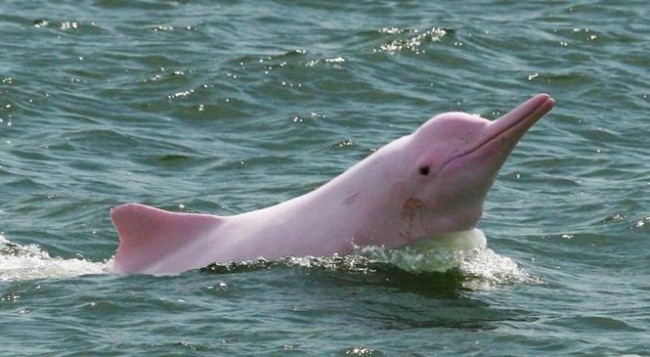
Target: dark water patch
172, 159
363, 271
426, 300
597, 324
25, 185
141, 5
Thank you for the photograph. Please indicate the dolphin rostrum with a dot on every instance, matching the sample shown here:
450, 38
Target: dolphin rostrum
419, 187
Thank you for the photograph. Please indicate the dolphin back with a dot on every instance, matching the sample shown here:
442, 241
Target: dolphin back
154, 241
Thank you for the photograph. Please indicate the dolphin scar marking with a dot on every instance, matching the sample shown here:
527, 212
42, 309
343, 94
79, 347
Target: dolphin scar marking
350, 200
411, 209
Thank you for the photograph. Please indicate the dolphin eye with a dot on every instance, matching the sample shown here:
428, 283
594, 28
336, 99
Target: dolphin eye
424, 170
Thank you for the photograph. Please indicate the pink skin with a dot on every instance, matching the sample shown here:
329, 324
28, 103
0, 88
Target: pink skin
421, 186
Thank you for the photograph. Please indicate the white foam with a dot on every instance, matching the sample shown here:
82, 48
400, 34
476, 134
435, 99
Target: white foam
18, 262
485, 269
465, 252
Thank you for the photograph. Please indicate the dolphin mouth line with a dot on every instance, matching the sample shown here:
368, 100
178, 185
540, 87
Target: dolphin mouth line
528, 118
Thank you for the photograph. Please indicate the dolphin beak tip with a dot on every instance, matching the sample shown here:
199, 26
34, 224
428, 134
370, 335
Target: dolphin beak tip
546, 100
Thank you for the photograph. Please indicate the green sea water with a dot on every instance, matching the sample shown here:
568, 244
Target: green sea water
229, 106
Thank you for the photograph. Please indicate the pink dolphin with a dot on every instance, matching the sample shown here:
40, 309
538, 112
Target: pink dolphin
421, 186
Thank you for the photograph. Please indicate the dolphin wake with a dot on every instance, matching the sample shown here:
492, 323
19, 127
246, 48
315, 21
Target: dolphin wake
465, 254
29, 262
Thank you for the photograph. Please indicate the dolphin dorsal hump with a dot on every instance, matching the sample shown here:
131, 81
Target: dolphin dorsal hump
160, 242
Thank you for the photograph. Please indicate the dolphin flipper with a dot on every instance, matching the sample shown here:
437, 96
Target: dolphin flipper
158, 241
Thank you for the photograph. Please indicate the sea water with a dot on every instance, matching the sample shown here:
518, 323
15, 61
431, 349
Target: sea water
229, 106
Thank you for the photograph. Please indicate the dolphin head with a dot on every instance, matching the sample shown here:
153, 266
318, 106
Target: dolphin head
459, 158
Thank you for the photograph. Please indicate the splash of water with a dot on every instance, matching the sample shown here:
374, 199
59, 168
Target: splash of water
18, 262
464, 253
431, 255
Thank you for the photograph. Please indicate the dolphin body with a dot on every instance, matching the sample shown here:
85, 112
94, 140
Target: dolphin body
420, 187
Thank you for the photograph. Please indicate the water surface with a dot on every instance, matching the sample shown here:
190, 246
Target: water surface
225, 107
